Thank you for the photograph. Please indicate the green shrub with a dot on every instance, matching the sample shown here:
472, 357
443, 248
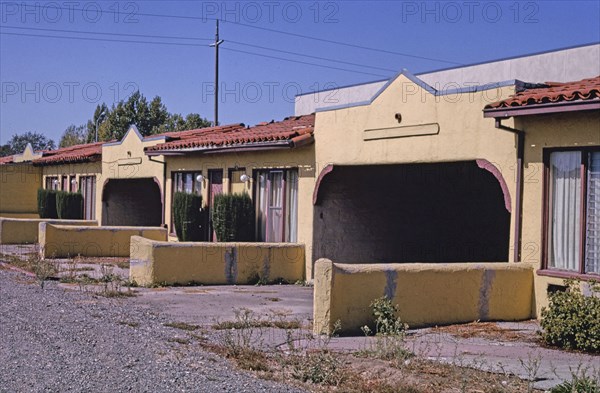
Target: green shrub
46, 200
233, 218
572, 319
577, 385
69, 205
188, 216
386, 321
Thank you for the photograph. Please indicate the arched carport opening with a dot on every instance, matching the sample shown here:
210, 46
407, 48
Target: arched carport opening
131, 202
439, 212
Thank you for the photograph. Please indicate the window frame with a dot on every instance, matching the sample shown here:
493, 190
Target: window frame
583, 167
284, 208
50, 183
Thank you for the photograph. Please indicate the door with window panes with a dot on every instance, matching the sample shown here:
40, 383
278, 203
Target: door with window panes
276, 194
87, 186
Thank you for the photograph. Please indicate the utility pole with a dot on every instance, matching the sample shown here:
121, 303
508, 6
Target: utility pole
216, 45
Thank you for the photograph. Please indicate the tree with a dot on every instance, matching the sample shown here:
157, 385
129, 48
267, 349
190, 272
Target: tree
74, 135
150, 118
99, 116
17, 143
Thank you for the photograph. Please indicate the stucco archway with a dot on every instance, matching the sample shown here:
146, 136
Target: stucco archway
132, 202
438, 212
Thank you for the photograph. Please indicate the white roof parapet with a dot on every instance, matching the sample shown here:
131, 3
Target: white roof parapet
561, 65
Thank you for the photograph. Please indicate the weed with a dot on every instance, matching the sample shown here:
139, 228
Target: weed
318, 367
389, 343
244, 334
42, 268
577, 385
532, 367
112, 283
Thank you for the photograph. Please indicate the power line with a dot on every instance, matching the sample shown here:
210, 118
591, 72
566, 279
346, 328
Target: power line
347, 44
185, 44
303, 62
200, 39
102, 39
204, 18
310, 56
109, 34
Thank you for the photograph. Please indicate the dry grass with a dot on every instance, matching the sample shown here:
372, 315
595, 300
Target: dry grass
182, 326
486, 330
315, 367
120, 262
129, 323
281, 324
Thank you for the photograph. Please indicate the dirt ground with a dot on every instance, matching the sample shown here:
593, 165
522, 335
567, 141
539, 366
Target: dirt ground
474, 357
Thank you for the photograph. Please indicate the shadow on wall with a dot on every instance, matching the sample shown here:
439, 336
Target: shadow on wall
442, 212
131, 202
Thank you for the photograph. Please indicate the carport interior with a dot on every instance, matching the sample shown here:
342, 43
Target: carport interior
131, 202
440, 212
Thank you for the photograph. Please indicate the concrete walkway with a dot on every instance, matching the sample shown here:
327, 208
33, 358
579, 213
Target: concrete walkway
521, 355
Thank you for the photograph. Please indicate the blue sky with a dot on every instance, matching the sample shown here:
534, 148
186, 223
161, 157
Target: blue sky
50, 83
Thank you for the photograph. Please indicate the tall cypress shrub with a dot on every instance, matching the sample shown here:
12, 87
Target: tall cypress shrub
188, 216
233, 218
69, 205
46, 201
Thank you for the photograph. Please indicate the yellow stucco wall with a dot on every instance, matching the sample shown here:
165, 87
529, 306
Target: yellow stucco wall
26, 231
301, 158
432, 129
126, 160
547, 131
82, 169
154, 262
427, 294
18, 190
59, 241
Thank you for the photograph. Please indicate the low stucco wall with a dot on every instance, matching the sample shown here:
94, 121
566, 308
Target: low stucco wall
25, 231
164, 262
60, 241
427, 294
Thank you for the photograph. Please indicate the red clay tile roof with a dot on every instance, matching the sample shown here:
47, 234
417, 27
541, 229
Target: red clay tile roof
293, 129
553, 92
6, 160
186, 134
71, 155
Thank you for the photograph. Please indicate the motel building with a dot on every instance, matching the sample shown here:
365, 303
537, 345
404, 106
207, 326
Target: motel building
479, 185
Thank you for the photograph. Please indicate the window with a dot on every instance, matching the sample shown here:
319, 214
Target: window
573, 211
65, 183
88, 190
52, 182
276, 196
72, 183
184, 182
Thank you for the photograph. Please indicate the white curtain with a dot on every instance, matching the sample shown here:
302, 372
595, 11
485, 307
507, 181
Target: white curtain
592, 247
275, 214
261, 206
565, 205
291, 229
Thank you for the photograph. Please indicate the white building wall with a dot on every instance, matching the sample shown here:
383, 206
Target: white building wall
557, 66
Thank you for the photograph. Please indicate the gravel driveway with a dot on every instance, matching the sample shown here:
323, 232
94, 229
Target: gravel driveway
56, 340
